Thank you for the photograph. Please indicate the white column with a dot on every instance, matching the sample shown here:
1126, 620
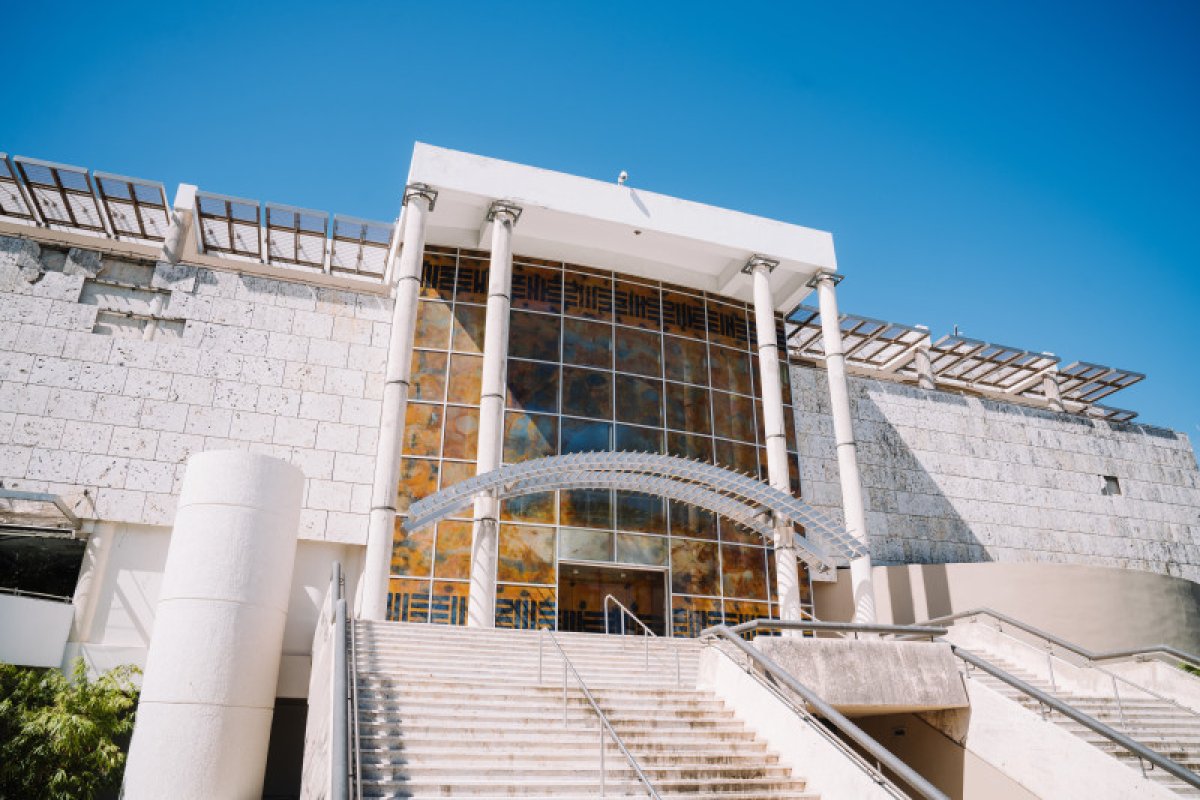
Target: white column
787, 574
847, 450
923, 365
204, 717
485, 533
182, 215
1052, 391
372, 600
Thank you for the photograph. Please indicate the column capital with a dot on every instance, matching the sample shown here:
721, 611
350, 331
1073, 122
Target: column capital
420, 190
757, 261
505, 208
822, 276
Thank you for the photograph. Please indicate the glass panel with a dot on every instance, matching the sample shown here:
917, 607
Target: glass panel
448, 606
794, 474
532, 386
587, 393
689, 520
641, 512
785, 380
456, 471
737, 457
526, 554
437, 276
634, 549
728, 325
576, 544
462, 433
639, 352
739, 611
466, 379
789, 427
639, 400
533, 336
526, 607
744, 571
537, 288
733, 416
639, 440
730, 370
588, 344
691, 615
469, 323
686, 445
472, 280
585, 436
588, 296
687, 408
694, 567
412, 551
637, 305
740, 534
433, 325
408, 600
683, 314
422, 430
530, 508
586, 508
428, 378
529, 436
418, 478
686, 360
452, 557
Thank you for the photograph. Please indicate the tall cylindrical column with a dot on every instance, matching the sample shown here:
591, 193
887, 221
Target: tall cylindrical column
485, 532
373, 594
787, 573
847, 451
1052, 391
923, 365
204, 717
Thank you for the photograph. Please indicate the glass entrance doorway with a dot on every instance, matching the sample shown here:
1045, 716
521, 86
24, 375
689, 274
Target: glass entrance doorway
583, 587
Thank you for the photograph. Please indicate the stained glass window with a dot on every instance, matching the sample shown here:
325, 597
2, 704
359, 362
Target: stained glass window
588, 344
529, 436
585, 436
468, 328
587, 393
433, 325
639, 400
453, 558
639, 352
686, 360
533, 336
532, 386
526, 554
465, 384
428, 376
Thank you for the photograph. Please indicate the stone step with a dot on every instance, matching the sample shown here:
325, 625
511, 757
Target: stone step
551, 714
431, 703
377, 793
517, 745
377, 751
537, 738
511, 773
540, 787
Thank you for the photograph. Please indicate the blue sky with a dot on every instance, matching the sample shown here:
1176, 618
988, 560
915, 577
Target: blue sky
1027, 171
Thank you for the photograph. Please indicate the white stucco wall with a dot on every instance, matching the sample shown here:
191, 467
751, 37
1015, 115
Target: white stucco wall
949, 478
33, 631
276, 367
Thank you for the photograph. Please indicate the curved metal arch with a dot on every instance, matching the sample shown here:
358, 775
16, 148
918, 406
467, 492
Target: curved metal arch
576, 468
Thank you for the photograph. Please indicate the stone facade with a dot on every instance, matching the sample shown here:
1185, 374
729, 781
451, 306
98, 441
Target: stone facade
91, 402
951, 478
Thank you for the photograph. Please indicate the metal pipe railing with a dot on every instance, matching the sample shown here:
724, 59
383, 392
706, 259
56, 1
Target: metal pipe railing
58, 598
647, 634
1090, 658
834, 627
605, 725
1083, 652
1138, 749
857, 735
339, 745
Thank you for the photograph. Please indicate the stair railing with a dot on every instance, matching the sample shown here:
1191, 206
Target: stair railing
1091, 659
647, 634
776, 675
1143, 753
345, 760
606, 728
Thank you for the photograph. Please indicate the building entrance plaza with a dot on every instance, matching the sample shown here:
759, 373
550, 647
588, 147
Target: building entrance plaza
531, 392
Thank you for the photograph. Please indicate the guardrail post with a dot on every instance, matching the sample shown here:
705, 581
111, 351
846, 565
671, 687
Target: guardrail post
603, 770
1050, 666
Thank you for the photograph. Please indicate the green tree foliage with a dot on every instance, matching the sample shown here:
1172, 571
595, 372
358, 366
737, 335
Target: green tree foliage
61, 738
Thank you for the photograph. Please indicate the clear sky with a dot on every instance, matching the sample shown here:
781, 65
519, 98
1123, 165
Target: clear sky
1027, 171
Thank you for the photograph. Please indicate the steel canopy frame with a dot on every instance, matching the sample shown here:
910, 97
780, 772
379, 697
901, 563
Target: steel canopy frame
867, 342
731, 494
12, 199
985, 365
135, 208
1087, 383
62, 194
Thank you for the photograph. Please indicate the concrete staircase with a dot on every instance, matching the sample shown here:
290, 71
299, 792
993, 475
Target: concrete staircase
1157, 724
456, 712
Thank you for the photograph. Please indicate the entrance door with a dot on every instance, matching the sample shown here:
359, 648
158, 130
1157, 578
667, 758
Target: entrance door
583, 587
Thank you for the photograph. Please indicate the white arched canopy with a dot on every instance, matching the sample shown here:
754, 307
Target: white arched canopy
732, 495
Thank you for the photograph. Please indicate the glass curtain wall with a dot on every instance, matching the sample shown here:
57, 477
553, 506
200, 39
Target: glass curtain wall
597, 361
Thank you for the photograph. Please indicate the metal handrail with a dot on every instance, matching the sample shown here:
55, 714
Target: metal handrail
1079, 650
605, 726
352, 680
1092, 662
339, 746
833, 627
59, 598
649, 634
854, 733
1138, 749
